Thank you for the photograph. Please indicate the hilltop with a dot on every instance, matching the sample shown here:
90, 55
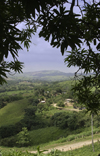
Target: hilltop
45, 75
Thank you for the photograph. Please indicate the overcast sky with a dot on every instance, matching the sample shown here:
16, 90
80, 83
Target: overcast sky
41, 56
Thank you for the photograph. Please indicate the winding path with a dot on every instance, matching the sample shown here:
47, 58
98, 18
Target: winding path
70, 146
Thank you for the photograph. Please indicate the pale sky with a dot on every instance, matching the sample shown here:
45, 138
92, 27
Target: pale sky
41, 56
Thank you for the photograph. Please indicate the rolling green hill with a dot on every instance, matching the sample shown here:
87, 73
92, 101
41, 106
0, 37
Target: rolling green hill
46, 75
13, 112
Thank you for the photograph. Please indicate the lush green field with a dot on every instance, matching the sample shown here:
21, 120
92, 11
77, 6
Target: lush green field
45, 135
13, 112
16, 92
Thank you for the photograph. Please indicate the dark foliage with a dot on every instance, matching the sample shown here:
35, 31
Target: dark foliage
33, 101
72, 121
6, 99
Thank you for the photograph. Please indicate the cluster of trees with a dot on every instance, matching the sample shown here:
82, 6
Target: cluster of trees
73, 120
67, 120
60, 104
6, 99
14, 85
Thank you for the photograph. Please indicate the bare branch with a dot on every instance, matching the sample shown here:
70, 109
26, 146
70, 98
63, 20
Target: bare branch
77, 71
80, 8
85, 3
77, 3
72, 6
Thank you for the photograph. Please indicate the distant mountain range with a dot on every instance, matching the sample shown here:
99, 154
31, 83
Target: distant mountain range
47, 75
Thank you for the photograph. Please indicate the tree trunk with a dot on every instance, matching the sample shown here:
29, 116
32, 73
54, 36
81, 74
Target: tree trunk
92, 131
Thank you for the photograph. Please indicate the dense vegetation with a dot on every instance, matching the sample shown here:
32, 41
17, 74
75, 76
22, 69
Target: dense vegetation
43, 111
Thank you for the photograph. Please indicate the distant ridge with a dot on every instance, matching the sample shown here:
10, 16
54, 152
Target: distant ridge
45, 75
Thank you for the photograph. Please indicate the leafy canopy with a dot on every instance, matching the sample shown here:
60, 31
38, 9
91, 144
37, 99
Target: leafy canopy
63, 27
55, 19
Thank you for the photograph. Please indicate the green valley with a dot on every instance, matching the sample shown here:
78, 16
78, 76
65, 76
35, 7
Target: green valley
46, 112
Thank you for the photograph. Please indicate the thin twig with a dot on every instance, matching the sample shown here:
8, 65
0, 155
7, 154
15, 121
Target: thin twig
85, 2
80, 9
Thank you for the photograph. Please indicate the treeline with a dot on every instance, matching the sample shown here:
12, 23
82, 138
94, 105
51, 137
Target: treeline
6, 99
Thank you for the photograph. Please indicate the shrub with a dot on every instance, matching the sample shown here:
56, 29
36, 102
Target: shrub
60, 104
33, 101
60, 119
23, 137
7, 131
8, 142
71, 137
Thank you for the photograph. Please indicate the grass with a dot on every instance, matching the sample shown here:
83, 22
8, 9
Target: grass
45, 135
15, 92
51, 137
84, 151
13, 112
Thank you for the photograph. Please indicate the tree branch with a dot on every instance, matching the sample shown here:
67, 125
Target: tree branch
72, 6
85, 2
80, 8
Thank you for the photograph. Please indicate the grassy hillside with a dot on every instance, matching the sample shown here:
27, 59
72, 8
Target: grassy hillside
13, 112
47, 134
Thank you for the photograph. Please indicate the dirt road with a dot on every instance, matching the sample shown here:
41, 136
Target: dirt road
71, 109
70, 146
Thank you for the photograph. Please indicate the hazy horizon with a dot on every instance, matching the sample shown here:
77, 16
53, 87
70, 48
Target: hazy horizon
47, 70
